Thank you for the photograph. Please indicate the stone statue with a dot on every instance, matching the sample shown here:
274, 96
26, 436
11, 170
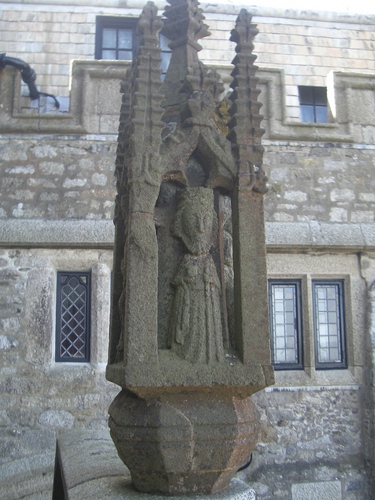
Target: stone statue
196, 328
184, 422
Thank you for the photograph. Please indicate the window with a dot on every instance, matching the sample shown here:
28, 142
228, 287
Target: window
285, 305
328, 307
285, 322
116, 39
313, 104
73, 317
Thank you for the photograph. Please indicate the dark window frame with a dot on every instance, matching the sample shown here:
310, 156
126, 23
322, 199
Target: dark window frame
122, 22
116, 22
63, 277
313, 99
331, 365
299, 365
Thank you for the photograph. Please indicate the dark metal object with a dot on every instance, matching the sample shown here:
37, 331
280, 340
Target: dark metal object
246, 465
28, 75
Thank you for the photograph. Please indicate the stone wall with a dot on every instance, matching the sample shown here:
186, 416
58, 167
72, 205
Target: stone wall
56, 175
39, 396
324, 182
49, 35
311, 440
72, 177
311, 421
317, 172
57, 178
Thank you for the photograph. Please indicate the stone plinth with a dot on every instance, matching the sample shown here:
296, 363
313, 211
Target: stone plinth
88, 467
184, 443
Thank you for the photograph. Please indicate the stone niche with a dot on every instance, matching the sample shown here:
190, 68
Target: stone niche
189, 339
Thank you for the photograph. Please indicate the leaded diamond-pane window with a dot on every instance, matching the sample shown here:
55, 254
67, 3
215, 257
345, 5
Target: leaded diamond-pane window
329, 325
285, 323
73, 317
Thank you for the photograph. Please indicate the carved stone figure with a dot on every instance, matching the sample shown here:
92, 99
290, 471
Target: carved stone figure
184, 421
196, 319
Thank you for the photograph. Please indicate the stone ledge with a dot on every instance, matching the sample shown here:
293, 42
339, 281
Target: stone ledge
280, 236
57, 233
283, 236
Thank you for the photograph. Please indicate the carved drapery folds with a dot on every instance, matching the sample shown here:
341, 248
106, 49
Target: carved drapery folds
178, 300
189, 340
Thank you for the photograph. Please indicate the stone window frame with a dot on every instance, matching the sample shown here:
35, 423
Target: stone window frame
307, 325
101, 283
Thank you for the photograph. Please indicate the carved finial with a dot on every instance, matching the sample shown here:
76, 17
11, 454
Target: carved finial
244, 32
140, 137
149, 24
184, 26
245, 132
184, 23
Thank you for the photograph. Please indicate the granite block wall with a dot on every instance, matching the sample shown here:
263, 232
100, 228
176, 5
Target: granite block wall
317, 427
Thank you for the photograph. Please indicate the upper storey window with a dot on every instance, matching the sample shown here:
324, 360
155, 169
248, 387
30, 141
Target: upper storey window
313, 104
116, 39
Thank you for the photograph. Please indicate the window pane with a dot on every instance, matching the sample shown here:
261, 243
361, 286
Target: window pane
307, 114
109, 38
125, 39
165, 60
125, 55
284, 312
305, 95
72, 324
109, 54
320, 96
164, 42
328, 320
321, 114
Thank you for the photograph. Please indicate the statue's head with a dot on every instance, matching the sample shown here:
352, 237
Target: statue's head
195, 221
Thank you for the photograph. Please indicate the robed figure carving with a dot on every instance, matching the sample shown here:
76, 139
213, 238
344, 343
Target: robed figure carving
196, 329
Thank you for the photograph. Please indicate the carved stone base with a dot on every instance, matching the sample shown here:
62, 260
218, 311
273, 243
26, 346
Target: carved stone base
183, 444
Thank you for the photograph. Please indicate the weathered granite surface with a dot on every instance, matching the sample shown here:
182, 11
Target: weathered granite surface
88, 467
189, 337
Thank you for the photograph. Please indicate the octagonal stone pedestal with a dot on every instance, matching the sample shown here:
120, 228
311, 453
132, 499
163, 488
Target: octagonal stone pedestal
88, 467
186, 443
